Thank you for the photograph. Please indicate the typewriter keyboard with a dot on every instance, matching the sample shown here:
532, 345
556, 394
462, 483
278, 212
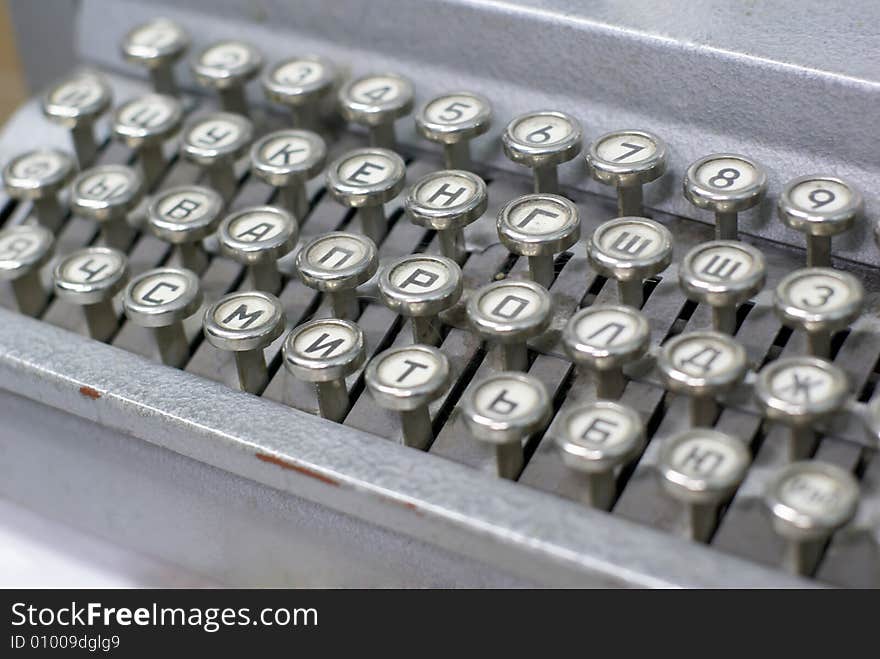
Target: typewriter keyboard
670, 372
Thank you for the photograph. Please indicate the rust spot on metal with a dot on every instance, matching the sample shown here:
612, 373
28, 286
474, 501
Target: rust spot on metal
89, 392
284, 464
411, 506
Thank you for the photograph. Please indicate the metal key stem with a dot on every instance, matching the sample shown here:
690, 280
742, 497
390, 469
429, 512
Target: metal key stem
29, 293
101, 320
458, 155
345, 304
631, 292
373, 222
417, 431
726, 226
542, 269
332, 399
84, 144
546, 179
819, 251
250, 369
629, 201
509, 460
172, 344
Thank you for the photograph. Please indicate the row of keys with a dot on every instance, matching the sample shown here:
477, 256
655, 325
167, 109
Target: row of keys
819, 206
630, 250
701, 468
721, 274
364, 179
604, 339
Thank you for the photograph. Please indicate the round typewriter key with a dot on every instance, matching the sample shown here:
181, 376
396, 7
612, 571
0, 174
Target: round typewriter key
77, 103
543, 141
509, 313
245, 324
702, 365
503, 410
407, 380
184, 216
287, 159
820, 207
24, 250
627, 159
595, 440
447, 201
819, 301
156, 46
726, 184
215, 141
336, 263
144, 124
325, 352
107, 194
300, 83
539, 226
226, 67
90, 277
630, 249
604, 338
365, 179
161, 300
808, 501
722, 274
420, 287
453, 120
257, 237
799, 392
376, 102
702, 468
39, 176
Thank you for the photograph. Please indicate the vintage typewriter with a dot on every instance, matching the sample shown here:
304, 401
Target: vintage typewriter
448, 293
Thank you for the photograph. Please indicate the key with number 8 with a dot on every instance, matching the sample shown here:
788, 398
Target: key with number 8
725, 183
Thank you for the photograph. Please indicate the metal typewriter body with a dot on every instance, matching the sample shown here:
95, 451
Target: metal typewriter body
251, 491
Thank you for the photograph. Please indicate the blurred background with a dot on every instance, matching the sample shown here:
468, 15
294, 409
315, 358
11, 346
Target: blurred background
36, 552
12, 89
